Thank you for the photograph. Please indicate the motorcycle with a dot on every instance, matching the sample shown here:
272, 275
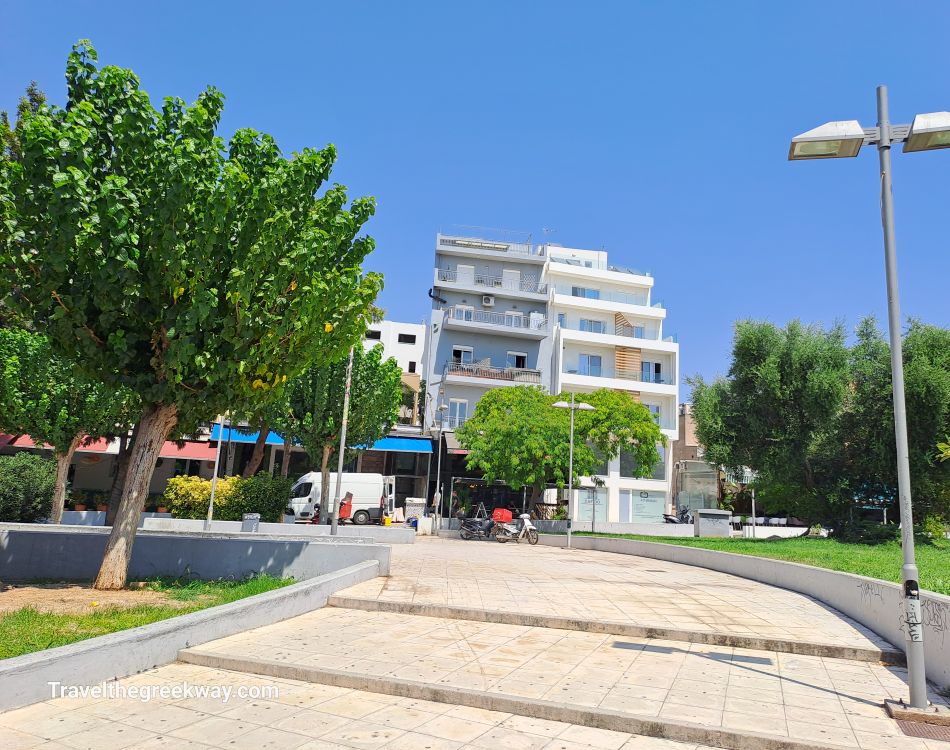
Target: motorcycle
506, 531
477, 528
684, 516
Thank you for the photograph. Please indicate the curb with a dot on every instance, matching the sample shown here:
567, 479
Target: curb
630, 630
27, 679
618, 721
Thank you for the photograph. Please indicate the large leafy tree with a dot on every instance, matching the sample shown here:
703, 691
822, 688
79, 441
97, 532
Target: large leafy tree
43, 395
516, 435
315, 413
199, 276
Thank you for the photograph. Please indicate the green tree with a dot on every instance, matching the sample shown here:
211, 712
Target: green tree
775, 411
200, 277
315, 410
42, 395
515, 435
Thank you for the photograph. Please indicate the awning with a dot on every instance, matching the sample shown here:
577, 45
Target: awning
452, 445
402, 445
236, 436
196, 450
96, 446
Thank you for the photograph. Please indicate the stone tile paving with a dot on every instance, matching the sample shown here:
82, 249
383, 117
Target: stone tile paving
806, 698
604, 586
302, 717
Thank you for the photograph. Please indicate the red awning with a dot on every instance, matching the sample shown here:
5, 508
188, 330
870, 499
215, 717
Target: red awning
96, 446
4, 439
197, 450
452, 445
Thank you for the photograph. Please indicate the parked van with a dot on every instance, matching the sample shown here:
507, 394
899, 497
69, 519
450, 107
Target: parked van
373, 495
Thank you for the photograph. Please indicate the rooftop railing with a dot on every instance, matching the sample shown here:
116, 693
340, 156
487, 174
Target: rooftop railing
525, 249
579, 263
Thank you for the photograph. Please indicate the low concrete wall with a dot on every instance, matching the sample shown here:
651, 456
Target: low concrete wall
35, 552
26, 679
382, 534
560, 527
878, 605
98, 517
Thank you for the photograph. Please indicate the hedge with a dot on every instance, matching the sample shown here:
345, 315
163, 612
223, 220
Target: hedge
26, 487
188, 496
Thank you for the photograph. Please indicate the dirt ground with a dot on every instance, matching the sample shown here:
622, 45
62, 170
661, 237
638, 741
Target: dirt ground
73, 598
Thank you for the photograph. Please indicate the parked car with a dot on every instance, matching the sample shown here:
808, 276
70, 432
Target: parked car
373, 496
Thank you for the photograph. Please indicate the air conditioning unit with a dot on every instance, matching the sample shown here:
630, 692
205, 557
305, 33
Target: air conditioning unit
488, 301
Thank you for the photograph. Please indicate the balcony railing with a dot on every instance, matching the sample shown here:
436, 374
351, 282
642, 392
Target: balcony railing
531, 322
450, 423
639, 377
626, 298
525, 249
493, 282
490, 372
578, 263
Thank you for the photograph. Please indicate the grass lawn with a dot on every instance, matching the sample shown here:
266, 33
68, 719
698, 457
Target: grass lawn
873, 560
27, 630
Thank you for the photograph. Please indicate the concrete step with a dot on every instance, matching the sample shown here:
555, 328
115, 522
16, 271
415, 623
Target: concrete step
628, 629
569, 713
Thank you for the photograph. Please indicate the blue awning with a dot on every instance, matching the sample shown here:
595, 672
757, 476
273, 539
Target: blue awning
236, 436
402, 445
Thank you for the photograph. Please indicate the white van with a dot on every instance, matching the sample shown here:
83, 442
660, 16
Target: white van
373, 495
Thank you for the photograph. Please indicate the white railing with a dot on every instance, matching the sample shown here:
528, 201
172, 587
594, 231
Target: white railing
599, 266
493, 282
626, 375
625, 298
450, 423
473, 243
502, 319
490, 372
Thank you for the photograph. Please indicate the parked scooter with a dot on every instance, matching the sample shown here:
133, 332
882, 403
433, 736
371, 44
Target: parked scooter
507, 531
477, 528
684, 516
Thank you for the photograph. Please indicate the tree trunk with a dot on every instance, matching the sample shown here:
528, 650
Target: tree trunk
121, 472
153, 429
325, 496
285, 464
63, 459
257, 455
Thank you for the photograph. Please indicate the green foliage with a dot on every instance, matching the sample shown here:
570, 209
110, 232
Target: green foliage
316, 402
816, 420
866, 532
197, 275
188, 496
43, 395
26, 487
934, 528
516, 435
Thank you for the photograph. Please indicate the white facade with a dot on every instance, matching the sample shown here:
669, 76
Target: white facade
508, 313
404, 342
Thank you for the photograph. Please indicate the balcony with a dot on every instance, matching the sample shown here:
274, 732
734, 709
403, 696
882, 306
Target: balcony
577, 263
480, 372
451, 423
512, 286
621, 379
511, 323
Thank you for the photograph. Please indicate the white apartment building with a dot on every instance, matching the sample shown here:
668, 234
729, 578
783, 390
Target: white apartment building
405, 342
508, 313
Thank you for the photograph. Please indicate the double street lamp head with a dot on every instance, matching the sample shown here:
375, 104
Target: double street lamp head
577, 406
844, 138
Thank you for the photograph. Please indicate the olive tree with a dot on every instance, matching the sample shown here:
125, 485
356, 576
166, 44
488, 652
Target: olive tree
199, 274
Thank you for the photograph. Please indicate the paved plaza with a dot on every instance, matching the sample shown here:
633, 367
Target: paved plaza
354, 677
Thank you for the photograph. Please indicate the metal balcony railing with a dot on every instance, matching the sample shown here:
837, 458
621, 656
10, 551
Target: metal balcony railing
493, 282
490, 372
626, 298
624, 375
474, 243
578, 263
508, 320
450, 423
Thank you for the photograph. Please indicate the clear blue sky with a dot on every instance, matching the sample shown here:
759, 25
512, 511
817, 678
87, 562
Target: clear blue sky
656, 130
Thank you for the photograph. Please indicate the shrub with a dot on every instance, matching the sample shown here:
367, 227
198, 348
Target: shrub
866, 532
262, 494
26, 487
934, 528
188, 496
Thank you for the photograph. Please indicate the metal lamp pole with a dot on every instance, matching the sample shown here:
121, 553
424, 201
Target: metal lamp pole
335, 516
570, 462
214, 477
845, 139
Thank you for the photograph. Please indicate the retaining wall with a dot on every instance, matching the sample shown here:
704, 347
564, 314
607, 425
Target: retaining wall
26, 679
878, 605
98, 517
36, 552
382, 534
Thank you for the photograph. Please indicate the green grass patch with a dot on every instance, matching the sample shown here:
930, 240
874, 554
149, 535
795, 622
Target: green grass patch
26, 630
881, 561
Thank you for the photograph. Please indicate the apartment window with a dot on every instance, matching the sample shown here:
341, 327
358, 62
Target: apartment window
406, 338
373, 335
592, 504
589, 364
462, 355
518, 360
412, 366
652, 372
639, 332
654, 410
463, 312
458, 412
602, 465
593, 326
561, 319
587, 293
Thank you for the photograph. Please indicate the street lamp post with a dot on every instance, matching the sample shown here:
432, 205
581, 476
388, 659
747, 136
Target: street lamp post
335, 516
437, 496
570, 462
845, 139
